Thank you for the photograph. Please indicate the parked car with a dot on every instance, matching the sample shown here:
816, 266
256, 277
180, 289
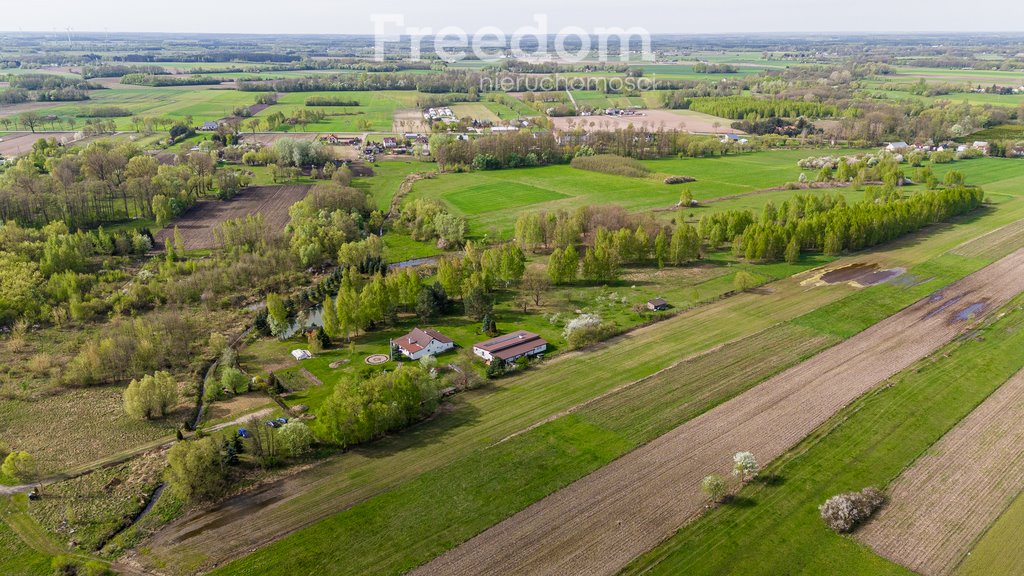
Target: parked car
243, 432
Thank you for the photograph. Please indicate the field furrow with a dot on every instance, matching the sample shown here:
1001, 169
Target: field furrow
197, 226
600, 523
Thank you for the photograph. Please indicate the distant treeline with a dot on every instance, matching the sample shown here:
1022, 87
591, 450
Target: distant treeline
742, 107
20, 95
48, 82
104, 112
330, 101
469, 81
709, 68
159, 81
211, 56
119, 70
523, 67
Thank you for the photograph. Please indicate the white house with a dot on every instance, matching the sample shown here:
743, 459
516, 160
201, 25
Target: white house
897, 146
420, 343
511, 347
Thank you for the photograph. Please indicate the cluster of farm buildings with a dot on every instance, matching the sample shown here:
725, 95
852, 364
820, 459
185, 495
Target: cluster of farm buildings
505, 349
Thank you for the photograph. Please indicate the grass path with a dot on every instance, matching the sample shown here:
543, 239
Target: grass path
14, 513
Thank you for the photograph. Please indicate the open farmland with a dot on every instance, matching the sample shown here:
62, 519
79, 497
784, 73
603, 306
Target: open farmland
197, 226
201, 103
652, 119
940, 506
375, 112
599, 524
19, 143
774, 526
411, 518
1000, 551
491, 201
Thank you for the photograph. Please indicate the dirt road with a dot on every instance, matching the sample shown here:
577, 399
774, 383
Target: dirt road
600, 523
939, 507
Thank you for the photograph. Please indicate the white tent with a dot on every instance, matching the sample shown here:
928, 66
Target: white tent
300, 354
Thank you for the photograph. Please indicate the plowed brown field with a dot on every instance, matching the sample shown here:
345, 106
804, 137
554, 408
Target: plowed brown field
198, 224
600, 523
941, 505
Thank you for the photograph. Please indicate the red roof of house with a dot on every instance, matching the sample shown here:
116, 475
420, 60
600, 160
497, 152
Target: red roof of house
419, 339
511, 345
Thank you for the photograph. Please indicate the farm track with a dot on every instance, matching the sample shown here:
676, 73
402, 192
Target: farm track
601, 522
939, 507
197, 226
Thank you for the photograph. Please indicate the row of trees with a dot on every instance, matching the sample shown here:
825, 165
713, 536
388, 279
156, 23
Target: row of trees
800, 226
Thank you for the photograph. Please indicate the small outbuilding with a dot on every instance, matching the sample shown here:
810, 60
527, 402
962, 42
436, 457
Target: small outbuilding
300, 354
657, 304
420, 343
511, 347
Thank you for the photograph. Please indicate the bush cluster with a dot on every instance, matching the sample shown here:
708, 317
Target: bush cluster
845, 511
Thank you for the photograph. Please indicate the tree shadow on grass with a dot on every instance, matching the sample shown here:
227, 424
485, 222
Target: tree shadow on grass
741, 502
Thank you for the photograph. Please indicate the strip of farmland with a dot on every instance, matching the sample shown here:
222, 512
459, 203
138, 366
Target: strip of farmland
197, 226
940, 506
601, 522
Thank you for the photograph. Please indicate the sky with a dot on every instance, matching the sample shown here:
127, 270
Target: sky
656, 16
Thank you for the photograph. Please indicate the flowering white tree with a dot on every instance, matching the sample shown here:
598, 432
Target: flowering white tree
582, 322
744, 466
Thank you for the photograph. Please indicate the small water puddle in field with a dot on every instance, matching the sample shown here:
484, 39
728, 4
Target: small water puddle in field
970, 312
859, 275
944, 305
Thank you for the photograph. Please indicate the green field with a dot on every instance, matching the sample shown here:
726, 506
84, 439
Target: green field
374, 113
17, 558
451, 446
202, 103
407, 526
999, 551
491, 201
971, 97
496, 196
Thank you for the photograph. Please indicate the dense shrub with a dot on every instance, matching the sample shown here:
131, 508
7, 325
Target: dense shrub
611, 164
844, 512
367, 409
679, 180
